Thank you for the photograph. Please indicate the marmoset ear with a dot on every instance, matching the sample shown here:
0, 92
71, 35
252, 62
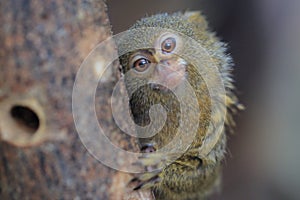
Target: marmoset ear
196, 18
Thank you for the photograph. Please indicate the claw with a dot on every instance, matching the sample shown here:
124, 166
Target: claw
153, 161
133, 180
146, 180
148, 183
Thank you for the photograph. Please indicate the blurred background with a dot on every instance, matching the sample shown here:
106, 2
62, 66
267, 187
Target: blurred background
263, 160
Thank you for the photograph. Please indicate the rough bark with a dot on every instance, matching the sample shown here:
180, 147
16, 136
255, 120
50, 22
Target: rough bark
43, 44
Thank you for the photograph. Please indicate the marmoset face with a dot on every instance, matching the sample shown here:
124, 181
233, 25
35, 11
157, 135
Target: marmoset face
160, 66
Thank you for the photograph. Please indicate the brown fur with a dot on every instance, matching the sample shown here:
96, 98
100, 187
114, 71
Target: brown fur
196, 173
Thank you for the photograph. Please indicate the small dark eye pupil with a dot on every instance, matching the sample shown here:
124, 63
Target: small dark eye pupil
169, 45
141, 64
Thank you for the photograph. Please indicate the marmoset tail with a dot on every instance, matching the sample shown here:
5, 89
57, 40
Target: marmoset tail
166, 57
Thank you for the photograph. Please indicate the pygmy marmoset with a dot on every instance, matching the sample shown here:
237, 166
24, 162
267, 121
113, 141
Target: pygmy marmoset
153, 72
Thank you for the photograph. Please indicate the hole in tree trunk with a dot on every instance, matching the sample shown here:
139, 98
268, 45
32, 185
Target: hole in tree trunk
26, 118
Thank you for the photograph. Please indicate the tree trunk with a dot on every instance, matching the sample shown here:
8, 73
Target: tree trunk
43, 44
